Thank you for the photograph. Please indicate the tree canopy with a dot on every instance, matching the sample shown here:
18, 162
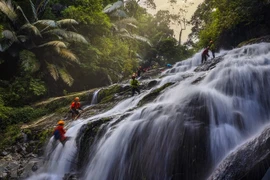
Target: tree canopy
229, 22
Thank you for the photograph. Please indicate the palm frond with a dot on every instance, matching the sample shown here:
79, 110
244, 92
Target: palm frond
123, 30
7, 34
31, 28
66, 22
41, 6
58, 44
132, 25
53, 70
8, 10
45, 22
68, 35
5, 44
137, 37
143, 39
34, 10
66, 77
22, 38
128, 20
119, 13
21, 11
107, 7
29, 62
65, 53
113, 7
114, 26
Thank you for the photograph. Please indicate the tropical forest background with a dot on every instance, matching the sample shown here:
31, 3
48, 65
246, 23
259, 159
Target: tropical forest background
51, 48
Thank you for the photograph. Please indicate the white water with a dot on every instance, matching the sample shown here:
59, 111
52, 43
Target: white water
235, 95
95, 97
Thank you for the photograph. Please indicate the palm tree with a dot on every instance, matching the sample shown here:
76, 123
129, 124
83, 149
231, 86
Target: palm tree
124, 24
41, 37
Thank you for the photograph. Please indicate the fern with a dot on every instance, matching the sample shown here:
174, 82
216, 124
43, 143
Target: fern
58, 44
7, 9
66, 77
53, 70
66, 22
65, 53
68, 35
46, 22
21, 11
34, 10
113, 7
31, 28
29, 61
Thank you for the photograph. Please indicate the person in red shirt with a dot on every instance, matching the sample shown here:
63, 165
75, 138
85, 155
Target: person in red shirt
74, 107
205, 54
59, 132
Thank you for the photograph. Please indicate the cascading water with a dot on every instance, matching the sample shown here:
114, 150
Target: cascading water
95, 97
187, 130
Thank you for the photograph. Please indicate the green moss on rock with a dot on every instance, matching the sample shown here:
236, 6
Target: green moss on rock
255, 40
152, 95
87, 137
107, 95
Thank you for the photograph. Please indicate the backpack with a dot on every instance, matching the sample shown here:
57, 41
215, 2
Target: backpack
57, 134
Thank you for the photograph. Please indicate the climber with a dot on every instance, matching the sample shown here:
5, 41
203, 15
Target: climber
168, 65
205, 54
212, 48
134, 85
59, 132
74, 107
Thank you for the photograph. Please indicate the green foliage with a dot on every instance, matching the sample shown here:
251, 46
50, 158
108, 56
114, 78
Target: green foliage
10, 136
24, 90
4, 110
41, 35
229, 23
29, 62
106, 95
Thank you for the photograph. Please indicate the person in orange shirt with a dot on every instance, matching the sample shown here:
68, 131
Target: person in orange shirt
74, 107
59, 132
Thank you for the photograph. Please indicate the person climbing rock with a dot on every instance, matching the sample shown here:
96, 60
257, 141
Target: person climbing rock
212, 48
168, 65
134, 85
205, 54
59, 132
75, 107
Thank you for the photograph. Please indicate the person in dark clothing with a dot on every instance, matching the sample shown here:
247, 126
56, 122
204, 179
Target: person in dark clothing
212, 48
74, 107
134, 85
205, 55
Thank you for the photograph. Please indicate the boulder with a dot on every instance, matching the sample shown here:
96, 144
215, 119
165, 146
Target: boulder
248, 162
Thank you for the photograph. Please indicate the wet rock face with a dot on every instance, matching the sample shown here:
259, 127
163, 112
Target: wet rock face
250, 161
255, 41
210, 64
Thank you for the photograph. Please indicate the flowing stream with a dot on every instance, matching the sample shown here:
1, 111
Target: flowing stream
185, 132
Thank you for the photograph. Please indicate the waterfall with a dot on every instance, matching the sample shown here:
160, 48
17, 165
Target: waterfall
95, 97
187, 130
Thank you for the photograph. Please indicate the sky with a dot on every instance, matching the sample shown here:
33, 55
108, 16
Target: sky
164, 5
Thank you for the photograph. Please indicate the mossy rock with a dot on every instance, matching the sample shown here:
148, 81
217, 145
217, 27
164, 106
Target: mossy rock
107, 94
254, 41
152, 95
88, 133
